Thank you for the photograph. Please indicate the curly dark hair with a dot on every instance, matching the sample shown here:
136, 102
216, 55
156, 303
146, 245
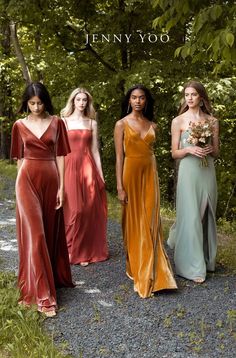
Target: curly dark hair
147, 111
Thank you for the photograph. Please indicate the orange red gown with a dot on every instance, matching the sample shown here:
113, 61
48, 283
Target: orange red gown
43, 255
146, 261
85, 208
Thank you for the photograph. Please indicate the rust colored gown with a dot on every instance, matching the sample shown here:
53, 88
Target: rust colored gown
146, 261
43, 255
85, 208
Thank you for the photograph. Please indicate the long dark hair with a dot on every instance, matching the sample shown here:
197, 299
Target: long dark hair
206, 105
147, 111
39, 90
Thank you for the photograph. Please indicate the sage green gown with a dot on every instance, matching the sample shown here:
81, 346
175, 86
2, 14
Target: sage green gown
193, 236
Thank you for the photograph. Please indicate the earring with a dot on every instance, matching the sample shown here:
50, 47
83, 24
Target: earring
128, 108
201, 103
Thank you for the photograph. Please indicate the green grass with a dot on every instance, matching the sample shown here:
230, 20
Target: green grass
21, 330
115, 213
7, 169
226, 232
22, 334
226, 227
7, 174
114, 207
226, 252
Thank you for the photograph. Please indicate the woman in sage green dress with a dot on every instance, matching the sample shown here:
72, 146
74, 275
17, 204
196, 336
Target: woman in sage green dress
193, 236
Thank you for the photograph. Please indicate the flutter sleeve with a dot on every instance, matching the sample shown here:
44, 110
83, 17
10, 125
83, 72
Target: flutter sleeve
17, 145
63, 146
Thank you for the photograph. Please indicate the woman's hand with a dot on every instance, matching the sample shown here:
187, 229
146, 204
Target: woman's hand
197, 151
208, 149
122, 197
60, 199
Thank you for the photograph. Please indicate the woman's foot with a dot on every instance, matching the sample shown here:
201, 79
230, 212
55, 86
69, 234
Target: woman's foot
198, 280
84, 264
48, 313
22, 303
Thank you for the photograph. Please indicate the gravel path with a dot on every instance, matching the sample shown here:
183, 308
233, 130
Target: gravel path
103, 317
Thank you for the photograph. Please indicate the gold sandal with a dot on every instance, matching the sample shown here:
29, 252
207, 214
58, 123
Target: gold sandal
198, 280
47, 313
84, 264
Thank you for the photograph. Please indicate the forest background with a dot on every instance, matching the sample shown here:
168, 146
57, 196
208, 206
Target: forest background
159, 43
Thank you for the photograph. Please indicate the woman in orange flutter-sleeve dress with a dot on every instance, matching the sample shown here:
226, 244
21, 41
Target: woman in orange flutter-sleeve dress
39, 144
138, 191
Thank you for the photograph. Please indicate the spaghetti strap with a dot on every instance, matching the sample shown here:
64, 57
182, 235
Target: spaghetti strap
65, 121
91, 126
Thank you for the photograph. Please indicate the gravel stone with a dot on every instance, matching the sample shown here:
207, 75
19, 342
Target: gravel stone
103, 317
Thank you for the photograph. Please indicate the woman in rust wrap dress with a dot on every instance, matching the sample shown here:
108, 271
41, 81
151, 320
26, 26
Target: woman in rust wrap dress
85, 209
39, 144
138, 190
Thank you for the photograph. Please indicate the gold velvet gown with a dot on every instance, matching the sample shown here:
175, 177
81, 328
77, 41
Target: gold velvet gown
146, 261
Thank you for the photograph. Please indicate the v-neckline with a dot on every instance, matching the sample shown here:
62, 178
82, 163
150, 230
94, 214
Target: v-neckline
29, 130
138, 133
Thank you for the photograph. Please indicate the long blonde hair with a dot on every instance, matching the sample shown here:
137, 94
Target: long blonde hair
70, 106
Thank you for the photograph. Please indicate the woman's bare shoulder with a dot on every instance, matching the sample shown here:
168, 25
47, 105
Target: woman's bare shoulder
21, 120
211, 118
93, 122
179, 119
120, 123
54, 117
154, 125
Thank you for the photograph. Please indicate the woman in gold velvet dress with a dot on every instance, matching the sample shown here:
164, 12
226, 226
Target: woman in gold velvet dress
138, 191
39, 144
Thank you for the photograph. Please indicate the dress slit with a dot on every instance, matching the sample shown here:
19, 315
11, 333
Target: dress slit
193, 236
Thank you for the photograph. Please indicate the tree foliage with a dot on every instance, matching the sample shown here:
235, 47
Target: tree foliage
53, 35
210, 28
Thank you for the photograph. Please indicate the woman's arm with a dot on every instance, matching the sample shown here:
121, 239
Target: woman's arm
118, 138
178, 153
60, 160
19, 164
95, 149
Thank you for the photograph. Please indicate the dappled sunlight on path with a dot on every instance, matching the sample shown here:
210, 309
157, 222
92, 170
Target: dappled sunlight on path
8, 245
8, 241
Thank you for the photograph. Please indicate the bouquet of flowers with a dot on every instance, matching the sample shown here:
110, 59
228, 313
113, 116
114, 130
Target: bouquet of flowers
200, 134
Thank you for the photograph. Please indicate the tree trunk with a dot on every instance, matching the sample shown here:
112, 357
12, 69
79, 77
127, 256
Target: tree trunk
37, 38
19, 53
5, 95
123, 47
